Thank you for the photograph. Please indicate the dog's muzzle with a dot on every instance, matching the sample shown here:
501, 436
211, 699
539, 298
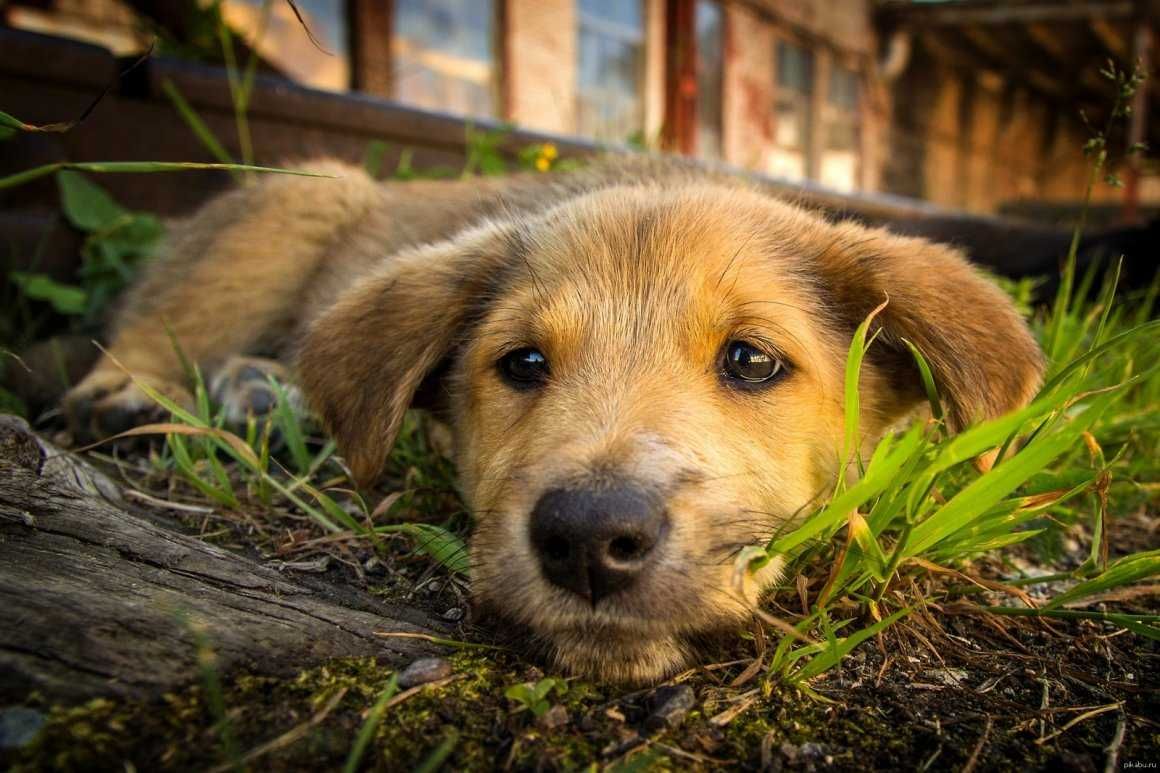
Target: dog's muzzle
598, 540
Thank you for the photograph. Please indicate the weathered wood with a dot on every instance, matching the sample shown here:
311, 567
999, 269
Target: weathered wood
96, 599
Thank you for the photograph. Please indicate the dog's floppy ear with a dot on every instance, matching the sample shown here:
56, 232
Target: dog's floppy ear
363, 360
983, 357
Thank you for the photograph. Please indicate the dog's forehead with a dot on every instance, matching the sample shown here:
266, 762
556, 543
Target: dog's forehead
652, 252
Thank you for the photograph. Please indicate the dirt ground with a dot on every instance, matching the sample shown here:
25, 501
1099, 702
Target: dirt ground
950, 688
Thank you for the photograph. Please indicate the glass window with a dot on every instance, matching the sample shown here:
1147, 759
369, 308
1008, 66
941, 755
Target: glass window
840, 155
443, 56
283, 43
795, 88
710, 24
610, 69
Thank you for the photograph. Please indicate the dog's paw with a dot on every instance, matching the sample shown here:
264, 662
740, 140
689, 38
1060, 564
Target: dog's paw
242, 387
108, 402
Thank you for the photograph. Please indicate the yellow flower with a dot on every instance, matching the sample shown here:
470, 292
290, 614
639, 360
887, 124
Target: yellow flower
543, 164
549, 151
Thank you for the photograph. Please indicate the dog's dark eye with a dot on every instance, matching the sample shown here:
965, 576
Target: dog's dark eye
750, 366
524, 368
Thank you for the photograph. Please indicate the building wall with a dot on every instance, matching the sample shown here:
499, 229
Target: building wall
941, 129
747, 109
973, 140
540, 66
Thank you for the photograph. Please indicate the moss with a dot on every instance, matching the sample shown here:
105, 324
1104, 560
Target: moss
886, 726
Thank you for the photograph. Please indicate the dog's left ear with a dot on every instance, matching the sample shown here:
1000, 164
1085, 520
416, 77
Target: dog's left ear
984, 359
364, 360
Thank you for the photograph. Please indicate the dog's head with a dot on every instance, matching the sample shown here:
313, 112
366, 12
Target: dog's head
643, 381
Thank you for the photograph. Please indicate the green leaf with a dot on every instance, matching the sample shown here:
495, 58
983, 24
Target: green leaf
839, 648
1129, 569
69, 300
852, 401
986, 491
11, 122
366, 733
927, 378
435, 541
86, 205
139, 167
878, 477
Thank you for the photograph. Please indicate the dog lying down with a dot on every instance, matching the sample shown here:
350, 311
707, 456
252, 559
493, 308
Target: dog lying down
642, 364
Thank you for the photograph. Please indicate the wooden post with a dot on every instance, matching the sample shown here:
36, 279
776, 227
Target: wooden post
680, 123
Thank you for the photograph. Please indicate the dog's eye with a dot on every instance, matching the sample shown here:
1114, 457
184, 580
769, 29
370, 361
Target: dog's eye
524, 368
748, 365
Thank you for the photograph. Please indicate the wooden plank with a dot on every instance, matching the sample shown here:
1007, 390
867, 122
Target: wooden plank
100, 600
961, 12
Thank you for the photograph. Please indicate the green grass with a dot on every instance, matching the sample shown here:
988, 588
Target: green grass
1084, 450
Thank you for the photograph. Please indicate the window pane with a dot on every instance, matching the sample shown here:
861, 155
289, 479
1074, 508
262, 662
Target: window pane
841, 156
795, 68
792, 111
611, 52
443, 55
286, 45
710, 67
843, 88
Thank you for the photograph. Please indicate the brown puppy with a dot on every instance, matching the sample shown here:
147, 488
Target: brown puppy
642, 363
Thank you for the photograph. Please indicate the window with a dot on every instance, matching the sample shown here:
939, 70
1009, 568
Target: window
443, 56
710, 28
108, 23
610, 71
282, 42
840, 154
795, 87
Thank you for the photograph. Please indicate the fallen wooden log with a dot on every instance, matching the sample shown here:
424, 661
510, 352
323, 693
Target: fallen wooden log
98, 599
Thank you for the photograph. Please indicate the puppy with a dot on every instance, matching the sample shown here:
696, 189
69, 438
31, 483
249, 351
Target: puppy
642, 363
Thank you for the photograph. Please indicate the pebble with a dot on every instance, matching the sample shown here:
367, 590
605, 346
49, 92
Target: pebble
808, 755
18, 726
555, 717
424, 670
455, 614
671, 704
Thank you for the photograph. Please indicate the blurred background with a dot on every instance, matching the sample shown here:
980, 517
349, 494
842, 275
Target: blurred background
975, 105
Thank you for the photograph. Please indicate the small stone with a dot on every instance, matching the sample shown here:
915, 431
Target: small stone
455, 614
950, 677
555, 717
18, 726
424, 670
18, 445
671, 704
809, 755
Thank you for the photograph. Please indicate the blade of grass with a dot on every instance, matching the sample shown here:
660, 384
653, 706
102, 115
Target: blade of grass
199, 128
833, 654
1129, 569
139, 167
369, 726
446, 548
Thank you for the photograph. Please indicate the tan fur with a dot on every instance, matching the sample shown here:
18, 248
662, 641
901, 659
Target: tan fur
631, 277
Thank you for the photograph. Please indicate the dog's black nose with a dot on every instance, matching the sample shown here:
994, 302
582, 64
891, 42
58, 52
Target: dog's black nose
596, 541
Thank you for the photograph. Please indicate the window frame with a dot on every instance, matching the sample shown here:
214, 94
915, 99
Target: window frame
809, 100
371, 30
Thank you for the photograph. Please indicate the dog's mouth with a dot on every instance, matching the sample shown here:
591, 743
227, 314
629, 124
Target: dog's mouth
626, 651
627, 638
